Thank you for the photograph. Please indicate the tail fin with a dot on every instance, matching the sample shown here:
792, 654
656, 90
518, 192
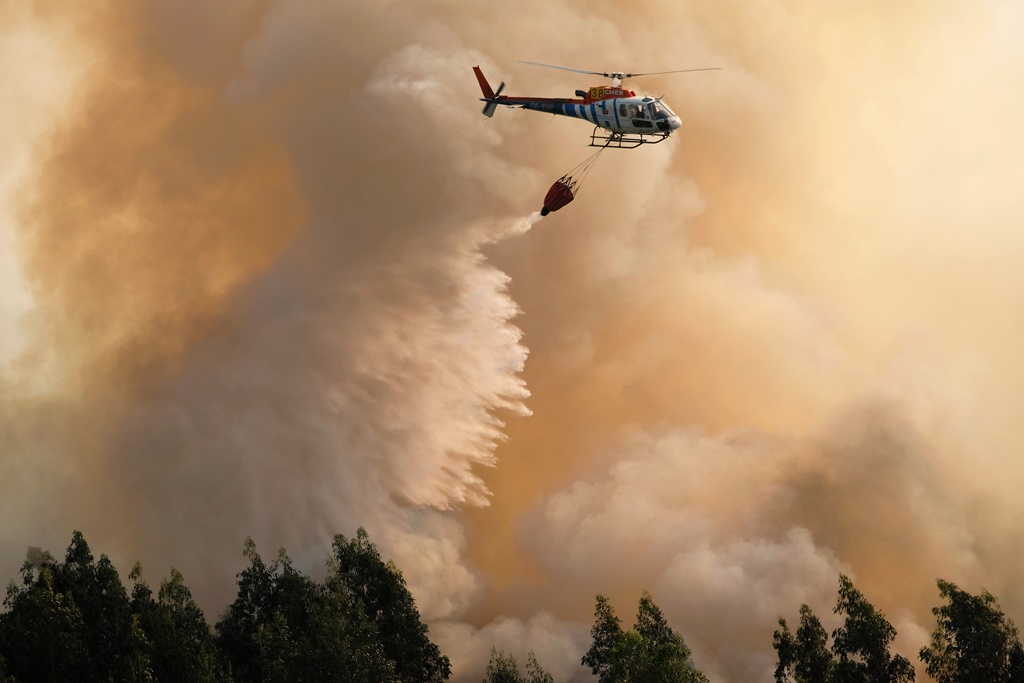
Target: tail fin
490, 96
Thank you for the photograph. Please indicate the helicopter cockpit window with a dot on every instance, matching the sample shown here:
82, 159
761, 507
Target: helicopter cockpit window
636, 111
659, 111
622, 110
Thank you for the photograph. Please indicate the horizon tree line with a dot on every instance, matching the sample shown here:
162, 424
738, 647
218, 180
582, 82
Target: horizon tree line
75, 621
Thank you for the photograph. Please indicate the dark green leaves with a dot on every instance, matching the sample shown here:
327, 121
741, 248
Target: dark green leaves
503, 668
75, 621
973, 640
804, 658
651, 652
379, 590
284, 626
860, 647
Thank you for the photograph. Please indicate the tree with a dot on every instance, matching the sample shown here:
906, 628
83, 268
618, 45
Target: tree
503, 668
667, 655
238, 629
651, 652
606, 633
42, 636
534, 672
861, 644
860, 647
804, 658
178, 641
74, 621
74, 612
96, 589
138, 664
628, 662
284, 626
4, 676
380, 591
973, 640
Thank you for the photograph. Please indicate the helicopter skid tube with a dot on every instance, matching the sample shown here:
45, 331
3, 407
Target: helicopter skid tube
602, 138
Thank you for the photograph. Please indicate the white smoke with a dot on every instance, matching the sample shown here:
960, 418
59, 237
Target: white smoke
298, 299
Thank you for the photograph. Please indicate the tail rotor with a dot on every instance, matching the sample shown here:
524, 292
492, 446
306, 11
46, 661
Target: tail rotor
490, 96
492, 104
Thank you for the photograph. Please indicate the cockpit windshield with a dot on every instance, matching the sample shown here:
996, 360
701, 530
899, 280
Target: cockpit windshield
659, 111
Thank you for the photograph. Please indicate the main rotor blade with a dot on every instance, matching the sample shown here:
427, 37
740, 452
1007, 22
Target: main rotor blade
567, 68
618, 74
680, 71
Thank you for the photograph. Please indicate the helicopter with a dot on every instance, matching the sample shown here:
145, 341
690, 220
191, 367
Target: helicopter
621, 118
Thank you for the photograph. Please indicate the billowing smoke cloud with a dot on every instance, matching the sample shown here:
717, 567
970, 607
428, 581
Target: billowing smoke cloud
279, 278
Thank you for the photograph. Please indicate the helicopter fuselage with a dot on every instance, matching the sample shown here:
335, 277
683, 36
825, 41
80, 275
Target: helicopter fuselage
629, 114
611, 108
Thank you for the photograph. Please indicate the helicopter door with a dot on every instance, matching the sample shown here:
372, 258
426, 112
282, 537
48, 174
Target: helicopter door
638, 115
641, 119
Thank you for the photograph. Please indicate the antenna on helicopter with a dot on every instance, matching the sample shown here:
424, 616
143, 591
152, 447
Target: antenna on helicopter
617, 76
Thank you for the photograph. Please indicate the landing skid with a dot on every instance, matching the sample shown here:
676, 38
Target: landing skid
602, 138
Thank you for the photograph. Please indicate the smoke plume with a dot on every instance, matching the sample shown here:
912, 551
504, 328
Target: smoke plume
268, 272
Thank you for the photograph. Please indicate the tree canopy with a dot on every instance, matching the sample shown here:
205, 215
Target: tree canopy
503, 668
973, 640
74, 620
860, 647
861, 644
379, 590
804, 658
650, 652
361, 624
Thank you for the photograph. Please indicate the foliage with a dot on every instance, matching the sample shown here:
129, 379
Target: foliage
43, 633
283, 626
606, 633
503, 668
4, 677
973, 640
861, 644
379, 589
860, 647
75, 621
804, 658
177, 640
534, 672
69, 620
651, 652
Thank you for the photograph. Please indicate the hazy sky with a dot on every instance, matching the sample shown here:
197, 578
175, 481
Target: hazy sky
265, 270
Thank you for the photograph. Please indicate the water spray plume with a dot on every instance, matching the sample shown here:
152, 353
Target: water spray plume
766, 352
